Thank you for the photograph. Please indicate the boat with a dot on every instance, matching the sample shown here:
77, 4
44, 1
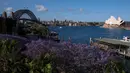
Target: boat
60, 27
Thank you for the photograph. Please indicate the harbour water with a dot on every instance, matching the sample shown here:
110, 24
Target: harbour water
82, 34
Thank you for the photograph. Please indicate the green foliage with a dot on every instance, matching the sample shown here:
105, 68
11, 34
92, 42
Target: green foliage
114, 67
43, 64
12, 61
36, 29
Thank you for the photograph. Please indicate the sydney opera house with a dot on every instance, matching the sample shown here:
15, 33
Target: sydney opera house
112, 22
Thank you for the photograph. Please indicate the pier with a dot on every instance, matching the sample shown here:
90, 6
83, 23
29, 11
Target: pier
120, 46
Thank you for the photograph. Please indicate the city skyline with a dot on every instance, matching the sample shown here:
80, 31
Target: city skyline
77, 10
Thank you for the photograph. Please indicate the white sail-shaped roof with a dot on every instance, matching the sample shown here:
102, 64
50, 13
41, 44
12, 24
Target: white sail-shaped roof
112, 20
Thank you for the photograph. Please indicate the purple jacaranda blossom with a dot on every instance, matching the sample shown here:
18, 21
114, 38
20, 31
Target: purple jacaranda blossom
72, 55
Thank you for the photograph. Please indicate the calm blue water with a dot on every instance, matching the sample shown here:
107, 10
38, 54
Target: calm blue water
81, 34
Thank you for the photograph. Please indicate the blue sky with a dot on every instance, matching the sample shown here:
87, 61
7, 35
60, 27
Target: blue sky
78, 10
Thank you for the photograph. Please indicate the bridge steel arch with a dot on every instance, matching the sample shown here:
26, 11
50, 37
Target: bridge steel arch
19, 13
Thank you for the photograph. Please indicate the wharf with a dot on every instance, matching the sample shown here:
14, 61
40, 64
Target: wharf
120, 46
114, 41
54, 35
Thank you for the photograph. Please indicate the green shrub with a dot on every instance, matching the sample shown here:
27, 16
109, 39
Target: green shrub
114, 66
10, 58
43, 64
12, 61
36, 29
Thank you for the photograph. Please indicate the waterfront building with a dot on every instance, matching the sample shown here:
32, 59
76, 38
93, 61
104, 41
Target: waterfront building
70, 24
75, 24
113, 22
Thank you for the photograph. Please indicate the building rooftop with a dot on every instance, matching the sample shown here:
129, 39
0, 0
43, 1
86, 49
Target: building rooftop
114, 41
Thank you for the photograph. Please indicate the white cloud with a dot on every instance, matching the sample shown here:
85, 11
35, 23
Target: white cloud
75, 9
81, 9
41, 8
9, 9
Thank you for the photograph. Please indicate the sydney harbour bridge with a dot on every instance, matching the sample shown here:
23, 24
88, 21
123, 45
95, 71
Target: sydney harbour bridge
19, 13
12, 21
